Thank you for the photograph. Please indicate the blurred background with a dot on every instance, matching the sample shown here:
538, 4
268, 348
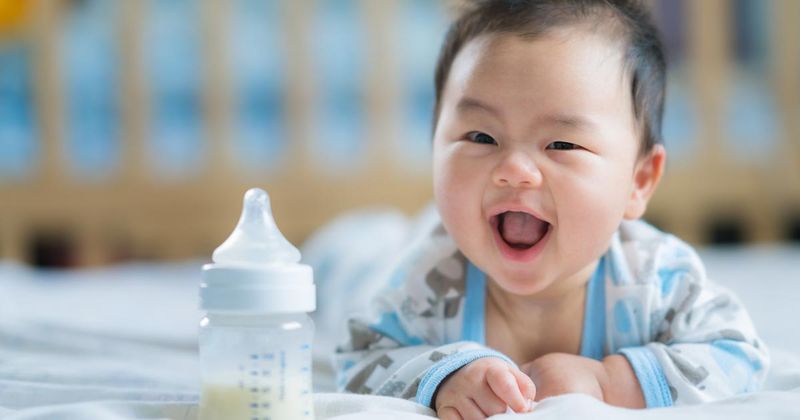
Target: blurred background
130, 129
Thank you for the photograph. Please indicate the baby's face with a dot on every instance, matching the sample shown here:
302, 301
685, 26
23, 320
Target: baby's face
534, 155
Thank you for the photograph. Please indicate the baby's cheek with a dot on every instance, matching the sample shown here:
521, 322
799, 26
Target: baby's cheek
445, 184
450, 210
448, 199
454, 197
590, 219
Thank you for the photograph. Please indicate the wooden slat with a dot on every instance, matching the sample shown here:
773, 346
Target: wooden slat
133, 107
216, 15
300, 85
48, 92
382, 102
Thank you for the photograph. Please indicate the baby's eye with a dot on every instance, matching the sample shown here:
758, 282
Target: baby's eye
480, 138
562, 145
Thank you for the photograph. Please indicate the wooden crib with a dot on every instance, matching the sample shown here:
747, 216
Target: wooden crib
136, 215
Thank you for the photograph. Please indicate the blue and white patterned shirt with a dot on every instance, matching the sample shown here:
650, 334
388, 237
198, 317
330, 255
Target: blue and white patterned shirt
687, 339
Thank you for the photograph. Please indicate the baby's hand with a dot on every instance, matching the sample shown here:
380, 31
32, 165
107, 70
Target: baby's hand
561, 373
612, 380
483, 388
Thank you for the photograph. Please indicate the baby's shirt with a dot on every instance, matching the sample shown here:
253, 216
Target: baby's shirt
687, 339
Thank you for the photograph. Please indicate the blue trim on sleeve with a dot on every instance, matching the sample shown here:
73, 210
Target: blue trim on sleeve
472, 328
651, 376
443, 368
594, 318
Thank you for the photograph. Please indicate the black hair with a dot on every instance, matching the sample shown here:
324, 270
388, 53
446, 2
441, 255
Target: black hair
627, 20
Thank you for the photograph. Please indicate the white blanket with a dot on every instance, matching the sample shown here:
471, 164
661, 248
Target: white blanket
776, 405
120, 343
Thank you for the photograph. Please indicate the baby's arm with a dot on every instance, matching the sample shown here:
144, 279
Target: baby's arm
708, 351
702, 345
393, 353
383, 359
387, 355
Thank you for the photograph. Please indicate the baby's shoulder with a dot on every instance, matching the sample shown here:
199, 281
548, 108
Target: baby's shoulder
434, 268
426, 287
429, 272
653, 257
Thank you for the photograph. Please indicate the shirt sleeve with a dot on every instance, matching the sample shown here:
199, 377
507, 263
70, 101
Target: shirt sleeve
380, 361
409, 340
702, 345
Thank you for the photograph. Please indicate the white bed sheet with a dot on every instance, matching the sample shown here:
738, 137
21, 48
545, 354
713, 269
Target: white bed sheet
120, 342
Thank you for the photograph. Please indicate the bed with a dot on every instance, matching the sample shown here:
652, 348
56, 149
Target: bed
120, 342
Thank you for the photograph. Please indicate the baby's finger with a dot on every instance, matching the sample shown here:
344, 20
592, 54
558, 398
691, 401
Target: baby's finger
504, 385
490, 403
525, 383
469, 410
449, 413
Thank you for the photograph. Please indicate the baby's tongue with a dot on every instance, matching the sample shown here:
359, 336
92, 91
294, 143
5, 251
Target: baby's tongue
522, 230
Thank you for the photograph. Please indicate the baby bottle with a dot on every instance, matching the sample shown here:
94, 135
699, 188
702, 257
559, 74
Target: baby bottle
255, 340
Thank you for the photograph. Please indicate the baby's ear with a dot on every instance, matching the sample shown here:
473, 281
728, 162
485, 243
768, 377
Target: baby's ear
645, 180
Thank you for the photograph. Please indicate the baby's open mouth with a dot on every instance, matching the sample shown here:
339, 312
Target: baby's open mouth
520, 230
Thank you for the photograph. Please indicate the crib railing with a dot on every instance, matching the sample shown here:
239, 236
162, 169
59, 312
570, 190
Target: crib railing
714, 191
709, 194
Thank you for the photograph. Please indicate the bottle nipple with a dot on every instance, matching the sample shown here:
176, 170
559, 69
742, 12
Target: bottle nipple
256, 240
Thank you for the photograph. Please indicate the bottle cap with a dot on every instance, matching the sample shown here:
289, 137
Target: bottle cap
256, 270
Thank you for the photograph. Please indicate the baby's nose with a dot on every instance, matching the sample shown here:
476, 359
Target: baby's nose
517, 170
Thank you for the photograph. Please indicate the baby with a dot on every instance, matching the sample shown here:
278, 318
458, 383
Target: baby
540, 280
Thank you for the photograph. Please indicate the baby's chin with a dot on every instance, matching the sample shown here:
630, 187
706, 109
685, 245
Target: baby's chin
520, 283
